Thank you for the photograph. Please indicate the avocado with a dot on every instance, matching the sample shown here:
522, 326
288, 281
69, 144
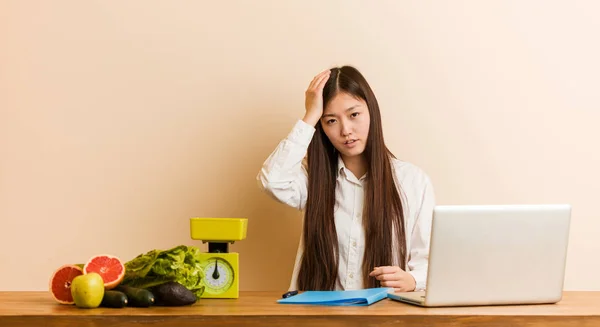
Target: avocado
173, 294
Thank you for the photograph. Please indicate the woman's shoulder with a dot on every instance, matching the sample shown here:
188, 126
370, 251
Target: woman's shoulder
409, 174
414, 185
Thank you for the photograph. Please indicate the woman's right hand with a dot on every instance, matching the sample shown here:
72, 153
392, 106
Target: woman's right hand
314, 98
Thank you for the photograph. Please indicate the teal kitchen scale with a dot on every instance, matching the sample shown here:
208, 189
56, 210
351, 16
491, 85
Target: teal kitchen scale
220, 267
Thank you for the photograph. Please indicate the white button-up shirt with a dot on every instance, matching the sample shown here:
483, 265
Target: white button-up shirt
284, 177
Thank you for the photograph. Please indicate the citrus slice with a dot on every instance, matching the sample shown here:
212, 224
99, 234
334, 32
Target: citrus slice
60, 283
109, 267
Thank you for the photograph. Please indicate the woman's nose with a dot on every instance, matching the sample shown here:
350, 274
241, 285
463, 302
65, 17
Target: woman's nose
346, 129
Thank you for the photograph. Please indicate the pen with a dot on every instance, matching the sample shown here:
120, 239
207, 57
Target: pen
288, 294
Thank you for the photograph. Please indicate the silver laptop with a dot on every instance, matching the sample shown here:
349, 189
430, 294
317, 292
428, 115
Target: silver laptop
495, 255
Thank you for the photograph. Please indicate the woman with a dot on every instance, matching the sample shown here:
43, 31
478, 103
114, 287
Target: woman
367, 214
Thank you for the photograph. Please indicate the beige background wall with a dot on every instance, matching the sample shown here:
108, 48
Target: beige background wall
119, 120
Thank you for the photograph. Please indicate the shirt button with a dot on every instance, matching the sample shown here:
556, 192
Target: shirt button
354, 244
351, 276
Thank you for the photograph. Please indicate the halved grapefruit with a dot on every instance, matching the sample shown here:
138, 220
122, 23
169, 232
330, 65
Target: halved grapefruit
60, 283
109, 267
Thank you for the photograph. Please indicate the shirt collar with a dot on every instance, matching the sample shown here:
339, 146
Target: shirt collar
345, 172
341, 165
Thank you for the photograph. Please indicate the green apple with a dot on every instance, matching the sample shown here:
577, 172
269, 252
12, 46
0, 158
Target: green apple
87, 290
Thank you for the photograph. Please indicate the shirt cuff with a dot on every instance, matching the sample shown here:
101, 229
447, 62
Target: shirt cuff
420, 279
302, 133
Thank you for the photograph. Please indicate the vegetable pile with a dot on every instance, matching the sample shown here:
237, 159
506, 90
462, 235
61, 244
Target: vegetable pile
180, 264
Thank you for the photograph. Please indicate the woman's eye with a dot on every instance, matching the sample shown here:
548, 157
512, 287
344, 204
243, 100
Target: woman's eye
354, 114
331, 121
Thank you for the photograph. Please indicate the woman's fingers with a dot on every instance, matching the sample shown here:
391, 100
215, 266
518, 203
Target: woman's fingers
384, 270
398, 286
388, 277
314, 96
318, 79
323, 81
391, 283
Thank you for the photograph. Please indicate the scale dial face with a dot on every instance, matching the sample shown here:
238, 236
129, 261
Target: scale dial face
218, 275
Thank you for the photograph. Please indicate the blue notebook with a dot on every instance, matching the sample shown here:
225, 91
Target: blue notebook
354, 297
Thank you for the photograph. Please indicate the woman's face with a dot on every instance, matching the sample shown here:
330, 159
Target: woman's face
346, 122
